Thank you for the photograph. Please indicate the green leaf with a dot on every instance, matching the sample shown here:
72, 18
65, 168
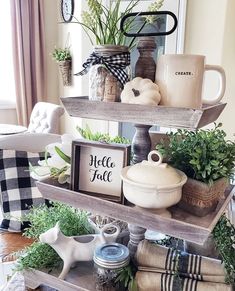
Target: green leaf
224, 237
41, 217
204, 154
63, 156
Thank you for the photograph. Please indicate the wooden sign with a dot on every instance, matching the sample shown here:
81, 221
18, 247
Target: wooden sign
96, 168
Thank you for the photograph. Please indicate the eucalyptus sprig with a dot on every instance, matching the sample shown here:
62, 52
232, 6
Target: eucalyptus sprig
224, 237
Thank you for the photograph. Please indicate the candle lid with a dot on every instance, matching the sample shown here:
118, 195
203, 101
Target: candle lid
112, 256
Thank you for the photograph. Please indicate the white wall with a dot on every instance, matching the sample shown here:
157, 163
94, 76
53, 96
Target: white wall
72, 34
51, 38
8, 116
228, 62
210, 30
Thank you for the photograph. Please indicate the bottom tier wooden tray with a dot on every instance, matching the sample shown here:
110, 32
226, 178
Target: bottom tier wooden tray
80, 278
182, 225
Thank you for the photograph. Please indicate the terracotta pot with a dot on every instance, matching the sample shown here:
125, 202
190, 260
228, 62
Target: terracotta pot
199, 198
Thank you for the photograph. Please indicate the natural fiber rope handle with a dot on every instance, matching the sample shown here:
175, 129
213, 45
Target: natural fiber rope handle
155, 153
124, 18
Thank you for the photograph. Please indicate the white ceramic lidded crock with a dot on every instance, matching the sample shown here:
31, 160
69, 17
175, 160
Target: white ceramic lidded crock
153, 185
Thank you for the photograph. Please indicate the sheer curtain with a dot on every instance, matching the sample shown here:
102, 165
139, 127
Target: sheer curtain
7, 93
28, 55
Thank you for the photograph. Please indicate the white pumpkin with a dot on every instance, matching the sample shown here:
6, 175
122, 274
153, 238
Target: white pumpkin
141, 91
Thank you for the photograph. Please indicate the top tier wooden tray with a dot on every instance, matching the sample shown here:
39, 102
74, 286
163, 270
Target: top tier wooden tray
182, 225
143, 114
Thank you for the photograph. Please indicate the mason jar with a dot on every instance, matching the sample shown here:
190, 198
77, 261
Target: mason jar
109, 260
103, 85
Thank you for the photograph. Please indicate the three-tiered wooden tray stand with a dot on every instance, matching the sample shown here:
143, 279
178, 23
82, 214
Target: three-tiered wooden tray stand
182, 224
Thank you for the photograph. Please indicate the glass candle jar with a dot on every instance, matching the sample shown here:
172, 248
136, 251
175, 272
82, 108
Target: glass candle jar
109, 259
103, 85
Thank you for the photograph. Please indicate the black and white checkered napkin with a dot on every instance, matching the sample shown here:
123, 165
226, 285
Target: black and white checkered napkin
116, 64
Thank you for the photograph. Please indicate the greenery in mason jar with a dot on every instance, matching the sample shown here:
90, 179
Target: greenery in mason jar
224, 236
204, 155
126, 276
61, 54
103, 22
41, 218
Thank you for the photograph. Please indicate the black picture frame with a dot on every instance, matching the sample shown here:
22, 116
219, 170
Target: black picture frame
96, 168
67, 13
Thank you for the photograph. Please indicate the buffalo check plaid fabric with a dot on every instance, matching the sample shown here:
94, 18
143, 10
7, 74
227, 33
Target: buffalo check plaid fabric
18, 189
116, 64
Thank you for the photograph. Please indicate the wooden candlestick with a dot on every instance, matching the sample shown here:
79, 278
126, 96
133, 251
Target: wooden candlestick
145, 66
141, 143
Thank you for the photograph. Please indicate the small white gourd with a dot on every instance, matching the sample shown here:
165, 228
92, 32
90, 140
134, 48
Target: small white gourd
141, 91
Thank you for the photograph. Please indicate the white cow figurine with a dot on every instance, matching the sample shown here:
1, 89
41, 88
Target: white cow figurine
76, 248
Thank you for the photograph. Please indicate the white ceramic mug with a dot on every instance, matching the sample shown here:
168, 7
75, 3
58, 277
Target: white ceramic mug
180, 79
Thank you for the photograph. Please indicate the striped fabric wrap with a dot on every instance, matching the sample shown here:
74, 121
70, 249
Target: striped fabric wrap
165, 269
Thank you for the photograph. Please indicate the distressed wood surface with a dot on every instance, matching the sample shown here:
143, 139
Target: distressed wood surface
142, 114
81, 278
182, 225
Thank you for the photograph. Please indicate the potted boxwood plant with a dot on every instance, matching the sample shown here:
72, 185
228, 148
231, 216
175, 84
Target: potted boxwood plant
208, 159
64, 59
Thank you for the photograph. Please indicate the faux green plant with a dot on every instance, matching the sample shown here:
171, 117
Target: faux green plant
224, 237
102, 22
204, 154
61, 54
126, 277
41, 218
102, 137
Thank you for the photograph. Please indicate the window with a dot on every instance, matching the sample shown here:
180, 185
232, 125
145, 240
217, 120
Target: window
7, 83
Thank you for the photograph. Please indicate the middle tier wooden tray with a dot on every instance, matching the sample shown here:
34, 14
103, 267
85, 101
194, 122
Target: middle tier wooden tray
182, 225
143, 114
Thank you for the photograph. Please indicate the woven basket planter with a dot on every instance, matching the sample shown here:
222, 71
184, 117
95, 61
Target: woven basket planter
66, 72
199, 198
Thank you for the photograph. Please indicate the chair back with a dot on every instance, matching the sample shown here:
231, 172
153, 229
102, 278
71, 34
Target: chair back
30, 142
45, 118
